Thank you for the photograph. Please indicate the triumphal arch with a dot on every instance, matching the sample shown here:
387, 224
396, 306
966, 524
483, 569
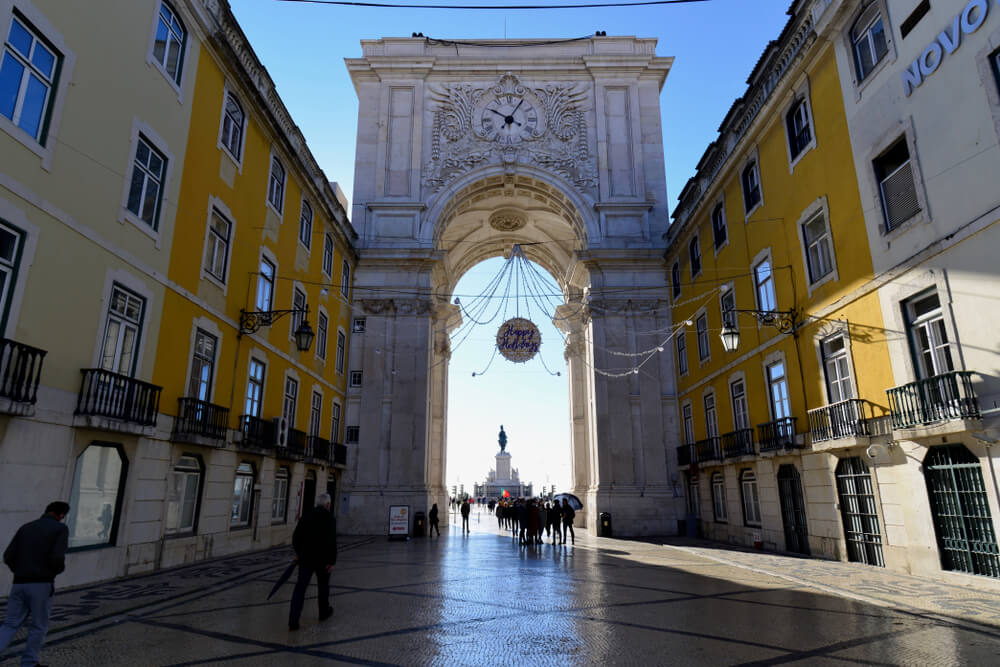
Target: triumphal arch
465, 149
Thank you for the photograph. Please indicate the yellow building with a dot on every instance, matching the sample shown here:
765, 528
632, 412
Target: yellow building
768, 256
260, 231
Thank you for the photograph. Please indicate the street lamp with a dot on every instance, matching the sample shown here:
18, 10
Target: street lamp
251, 321
782, 320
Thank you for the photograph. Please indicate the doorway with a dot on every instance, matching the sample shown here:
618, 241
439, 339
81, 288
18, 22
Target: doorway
793, 513
859, 512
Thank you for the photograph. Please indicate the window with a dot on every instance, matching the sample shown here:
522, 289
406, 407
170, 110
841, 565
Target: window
719, 232
693, 499
929, 336
322, 324
738, 393
279, 501
121, 333
797, 124
169, 42
217, 253
299, 304
719, 498
869, 41
255, 389
727, 306
276, 185
688, 418
751, 498
345, 279
837, 368
306, 225
351, 434
675, 278
701, 324
764, 286
894, 172
358, 325
778, 391
265, 284
11, 244
202, 366
341, 344
694, 252
711, 418
288, 406
682, 357
819, 253
233, 121
243, 495
335, 422
315, 413
96, 499
328, 255
751, 186
355, 378
28, 73
146, 183
183, 490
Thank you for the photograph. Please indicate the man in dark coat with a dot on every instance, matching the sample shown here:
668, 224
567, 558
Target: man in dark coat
315, 543
36, 555
465, 516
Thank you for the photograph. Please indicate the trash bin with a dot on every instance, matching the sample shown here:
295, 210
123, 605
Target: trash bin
419, 524
604, 525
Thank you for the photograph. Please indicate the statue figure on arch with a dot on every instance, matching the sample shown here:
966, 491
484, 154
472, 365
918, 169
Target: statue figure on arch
502, 439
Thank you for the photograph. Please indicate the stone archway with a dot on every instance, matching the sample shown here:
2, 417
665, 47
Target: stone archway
439, 188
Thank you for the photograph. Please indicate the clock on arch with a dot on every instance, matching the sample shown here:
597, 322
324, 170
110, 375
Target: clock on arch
508, 113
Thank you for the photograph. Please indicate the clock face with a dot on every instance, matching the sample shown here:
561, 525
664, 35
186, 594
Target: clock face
508, 119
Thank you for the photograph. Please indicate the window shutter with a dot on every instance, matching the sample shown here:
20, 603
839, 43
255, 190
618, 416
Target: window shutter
899, 195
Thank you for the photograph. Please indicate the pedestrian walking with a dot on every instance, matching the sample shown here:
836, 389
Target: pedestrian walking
36, 555
555, 518
568, 514
543, 520
465, 516
432, 516
315, 543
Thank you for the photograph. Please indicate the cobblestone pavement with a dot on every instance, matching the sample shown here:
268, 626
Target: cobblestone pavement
482, 599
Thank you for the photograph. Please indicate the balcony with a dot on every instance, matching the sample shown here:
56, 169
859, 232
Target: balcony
256, 433
339, 454
776, 435
708, 450
318, 448
20, 371
199, 420
295, 443
117, 397
846, 419
685, 454
738, 443
935, 399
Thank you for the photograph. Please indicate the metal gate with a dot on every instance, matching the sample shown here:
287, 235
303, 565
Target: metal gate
793, 512
961, 511
859, 511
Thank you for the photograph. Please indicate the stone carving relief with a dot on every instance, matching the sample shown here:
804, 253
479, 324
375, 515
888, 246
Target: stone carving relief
397, 306
509, 123
506, 220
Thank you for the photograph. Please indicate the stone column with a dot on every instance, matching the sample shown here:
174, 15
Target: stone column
571, 319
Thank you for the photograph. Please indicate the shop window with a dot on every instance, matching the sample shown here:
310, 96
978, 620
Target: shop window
243, 495
751, 498
719, 511
183, 493
279, 501
97, 495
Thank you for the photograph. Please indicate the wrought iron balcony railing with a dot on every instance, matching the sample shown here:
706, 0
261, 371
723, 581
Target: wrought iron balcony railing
201, 418
685, 454
938, 398
339, 454
708, 449
296, 442
257, 432
318, 448
846, 419
738, 443
779, 434
20, 371
117, 396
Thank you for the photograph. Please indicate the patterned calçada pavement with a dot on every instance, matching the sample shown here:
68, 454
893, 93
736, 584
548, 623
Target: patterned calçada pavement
483, 599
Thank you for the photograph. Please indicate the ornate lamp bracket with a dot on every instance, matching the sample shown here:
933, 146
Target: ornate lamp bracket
782, 320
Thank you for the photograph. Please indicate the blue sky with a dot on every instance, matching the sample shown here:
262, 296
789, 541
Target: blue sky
715, 43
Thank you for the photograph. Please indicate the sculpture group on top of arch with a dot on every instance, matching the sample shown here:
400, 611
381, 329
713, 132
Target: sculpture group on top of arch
509, 123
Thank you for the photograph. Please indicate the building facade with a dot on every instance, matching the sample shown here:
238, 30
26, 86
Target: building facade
123, 372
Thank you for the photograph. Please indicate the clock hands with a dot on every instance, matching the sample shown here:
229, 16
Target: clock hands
508, 119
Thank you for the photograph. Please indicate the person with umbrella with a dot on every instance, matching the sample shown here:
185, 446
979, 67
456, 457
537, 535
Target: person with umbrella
315, 544
568, 514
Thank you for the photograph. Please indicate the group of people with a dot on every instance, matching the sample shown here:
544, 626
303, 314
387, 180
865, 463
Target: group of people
528, 518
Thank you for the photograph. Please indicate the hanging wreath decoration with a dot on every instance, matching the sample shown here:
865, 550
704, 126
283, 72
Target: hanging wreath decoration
518, 340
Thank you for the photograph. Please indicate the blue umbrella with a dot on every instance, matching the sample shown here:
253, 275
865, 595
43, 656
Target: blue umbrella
574, 502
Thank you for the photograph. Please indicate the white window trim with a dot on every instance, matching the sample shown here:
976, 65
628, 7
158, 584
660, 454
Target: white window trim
255, 484
228, 90
764, 254
875, 216
164, 220
724, 505
890, 42
293, 374
830, 329
260, 356
695, 239
751, 156
800, 92
296, 285
333, 255
312, 223
689, 404
316, 389
283, 519
134, 284
708, 331
214, 203
284, 190
769, 360
321, 310
819, 206
58, 93
710, 391
208, 326
724, 289
343, 369
268, 254
719, 202
340, 420
350, 378
687, 366
738, 376
16, 217
743, 498
151, 60
345, 290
